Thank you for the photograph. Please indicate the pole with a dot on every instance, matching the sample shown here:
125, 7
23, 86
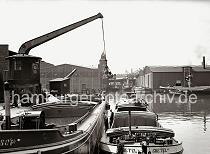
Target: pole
7, 105
129, 121
92, 77
188, 102
204, 63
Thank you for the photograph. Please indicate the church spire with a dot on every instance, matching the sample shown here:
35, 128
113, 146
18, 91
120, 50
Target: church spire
103, 55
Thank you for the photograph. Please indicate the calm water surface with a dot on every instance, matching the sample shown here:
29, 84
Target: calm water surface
193, 129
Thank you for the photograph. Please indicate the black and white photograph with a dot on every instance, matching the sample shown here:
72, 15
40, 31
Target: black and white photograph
104, 76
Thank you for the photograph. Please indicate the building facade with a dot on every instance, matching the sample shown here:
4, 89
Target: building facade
155, 76
84, 80
4, 67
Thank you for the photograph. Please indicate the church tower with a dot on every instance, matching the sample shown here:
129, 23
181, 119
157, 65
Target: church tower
102, 68
102, 62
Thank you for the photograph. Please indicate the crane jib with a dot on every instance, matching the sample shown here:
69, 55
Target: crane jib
27, 46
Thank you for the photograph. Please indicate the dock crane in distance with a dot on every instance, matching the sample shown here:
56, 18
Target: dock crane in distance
24, 69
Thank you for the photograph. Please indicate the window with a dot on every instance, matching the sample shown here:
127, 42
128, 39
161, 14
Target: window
83, 86
35, 68
178, 82
18, 65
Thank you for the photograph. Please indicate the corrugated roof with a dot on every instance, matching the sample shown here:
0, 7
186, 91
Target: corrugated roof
59, 79
165, 69
65, 78
200, 69
176, 69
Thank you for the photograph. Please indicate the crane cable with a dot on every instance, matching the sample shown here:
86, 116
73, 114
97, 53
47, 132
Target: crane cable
103, 36
108, 72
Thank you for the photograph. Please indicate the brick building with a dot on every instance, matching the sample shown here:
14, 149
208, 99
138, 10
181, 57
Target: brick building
4, 66
155, 76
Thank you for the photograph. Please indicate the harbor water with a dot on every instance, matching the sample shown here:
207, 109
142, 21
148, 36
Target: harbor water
192, 127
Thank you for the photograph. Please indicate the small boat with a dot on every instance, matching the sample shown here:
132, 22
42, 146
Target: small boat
53, 128
135, 130
190, 90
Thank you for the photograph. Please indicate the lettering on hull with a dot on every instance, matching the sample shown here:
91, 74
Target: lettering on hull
8, 142
160, 150
132, 150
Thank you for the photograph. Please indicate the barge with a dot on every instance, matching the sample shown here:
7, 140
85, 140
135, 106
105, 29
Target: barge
135, 130
55, 128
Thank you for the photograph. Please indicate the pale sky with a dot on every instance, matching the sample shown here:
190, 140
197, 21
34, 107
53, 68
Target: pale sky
137, 33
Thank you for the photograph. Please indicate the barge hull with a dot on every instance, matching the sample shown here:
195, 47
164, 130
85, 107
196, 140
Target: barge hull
106, 148
83, 141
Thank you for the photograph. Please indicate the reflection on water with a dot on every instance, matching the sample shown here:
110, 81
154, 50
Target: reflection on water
193, 129
162, 104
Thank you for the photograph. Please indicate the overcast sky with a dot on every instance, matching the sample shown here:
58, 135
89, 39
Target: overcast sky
137, 33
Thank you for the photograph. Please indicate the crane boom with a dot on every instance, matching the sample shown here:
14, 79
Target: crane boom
27, 46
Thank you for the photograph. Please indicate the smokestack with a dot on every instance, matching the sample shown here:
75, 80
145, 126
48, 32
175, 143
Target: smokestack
204, 63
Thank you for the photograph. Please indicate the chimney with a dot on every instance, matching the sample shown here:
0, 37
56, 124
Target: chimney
204, 63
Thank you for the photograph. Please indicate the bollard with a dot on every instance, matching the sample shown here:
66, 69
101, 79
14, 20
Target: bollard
7, 105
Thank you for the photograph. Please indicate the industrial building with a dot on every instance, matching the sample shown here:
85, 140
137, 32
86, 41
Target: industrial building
84, 80
153, 77
4, 66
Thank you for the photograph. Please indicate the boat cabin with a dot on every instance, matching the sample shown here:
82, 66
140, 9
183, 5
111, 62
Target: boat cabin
128, 107
138, 118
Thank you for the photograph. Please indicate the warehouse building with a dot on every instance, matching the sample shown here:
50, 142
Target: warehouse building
84, 80
153, 77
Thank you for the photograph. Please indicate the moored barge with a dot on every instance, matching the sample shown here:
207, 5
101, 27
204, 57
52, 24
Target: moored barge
55, 128
135, 130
